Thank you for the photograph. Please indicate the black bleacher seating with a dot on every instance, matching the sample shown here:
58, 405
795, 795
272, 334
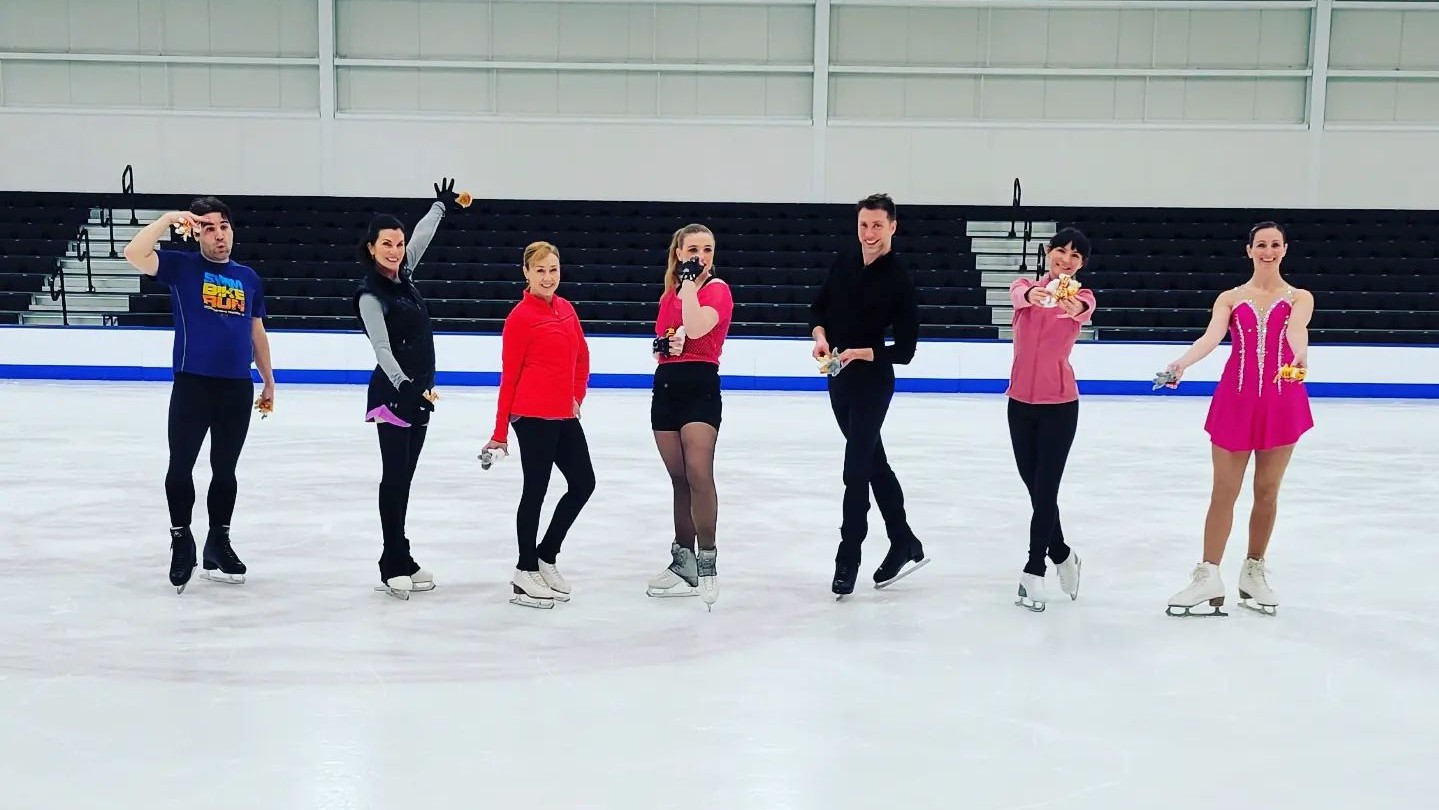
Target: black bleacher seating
1157, 271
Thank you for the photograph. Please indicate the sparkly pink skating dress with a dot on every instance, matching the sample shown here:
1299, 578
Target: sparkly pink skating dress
1250, 409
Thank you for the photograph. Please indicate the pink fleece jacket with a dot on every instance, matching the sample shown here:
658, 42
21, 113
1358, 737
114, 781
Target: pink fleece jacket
1043, 339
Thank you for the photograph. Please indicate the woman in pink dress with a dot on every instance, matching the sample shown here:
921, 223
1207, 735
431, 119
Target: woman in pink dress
1254, 410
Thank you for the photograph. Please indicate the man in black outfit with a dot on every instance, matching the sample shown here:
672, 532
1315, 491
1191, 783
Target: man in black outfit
868, 291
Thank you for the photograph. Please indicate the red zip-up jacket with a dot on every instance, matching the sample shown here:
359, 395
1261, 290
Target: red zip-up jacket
544, 362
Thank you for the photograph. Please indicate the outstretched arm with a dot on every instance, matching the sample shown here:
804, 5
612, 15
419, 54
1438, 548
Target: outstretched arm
1218, 327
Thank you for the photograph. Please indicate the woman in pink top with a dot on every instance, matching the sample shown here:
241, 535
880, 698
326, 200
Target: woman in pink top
1254, 410
1044, 405
690, 329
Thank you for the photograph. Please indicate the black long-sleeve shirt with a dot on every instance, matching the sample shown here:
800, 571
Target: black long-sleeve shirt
858, 303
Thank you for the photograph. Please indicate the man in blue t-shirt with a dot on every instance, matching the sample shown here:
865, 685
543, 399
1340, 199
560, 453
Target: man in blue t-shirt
219, 307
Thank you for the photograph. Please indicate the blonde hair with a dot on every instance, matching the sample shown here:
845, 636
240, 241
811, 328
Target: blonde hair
538, 250
676, 242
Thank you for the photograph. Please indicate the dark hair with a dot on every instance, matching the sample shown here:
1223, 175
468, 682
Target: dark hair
878, 202
1062, 237
1073, 237
200, 206
1266, 224
380, 222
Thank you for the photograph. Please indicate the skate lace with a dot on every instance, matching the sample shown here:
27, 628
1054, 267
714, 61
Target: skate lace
1257, 572
226, 554
706, 565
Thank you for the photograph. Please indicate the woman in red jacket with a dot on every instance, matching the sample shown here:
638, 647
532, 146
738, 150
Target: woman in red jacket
545, 371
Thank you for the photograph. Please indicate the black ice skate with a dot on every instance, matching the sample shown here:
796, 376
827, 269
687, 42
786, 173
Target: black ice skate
182, 557
893, 568
221, 562
843, 584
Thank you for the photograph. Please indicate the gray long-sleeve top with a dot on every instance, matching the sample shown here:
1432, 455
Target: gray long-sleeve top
372, 314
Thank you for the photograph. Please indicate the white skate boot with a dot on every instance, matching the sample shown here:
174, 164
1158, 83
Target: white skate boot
679, 579
1069, 574
551, 575
709, 583
1254, 590
1031, 593
531, 591
423, 580
1206, 586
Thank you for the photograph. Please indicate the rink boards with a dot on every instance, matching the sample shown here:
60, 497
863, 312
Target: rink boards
775, 364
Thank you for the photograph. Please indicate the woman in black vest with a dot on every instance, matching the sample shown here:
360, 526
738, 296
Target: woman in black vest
395, 318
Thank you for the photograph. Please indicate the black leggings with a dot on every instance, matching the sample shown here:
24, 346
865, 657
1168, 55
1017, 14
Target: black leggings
545, 444
399, 455
860, 398
1041, 436
200, 405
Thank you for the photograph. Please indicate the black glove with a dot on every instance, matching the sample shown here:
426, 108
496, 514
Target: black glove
661, 346
411, 402
445, 193
690, 270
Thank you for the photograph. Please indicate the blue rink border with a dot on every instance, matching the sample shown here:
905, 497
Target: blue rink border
729, 382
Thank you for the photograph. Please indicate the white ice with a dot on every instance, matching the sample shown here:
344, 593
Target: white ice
304, 688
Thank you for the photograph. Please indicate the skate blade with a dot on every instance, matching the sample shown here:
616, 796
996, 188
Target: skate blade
1267, 610
421, 587
1030, 604
671, 593
530, 602
403, 596
903, 572
222, 577
1078, 571
561, 597
1181, 611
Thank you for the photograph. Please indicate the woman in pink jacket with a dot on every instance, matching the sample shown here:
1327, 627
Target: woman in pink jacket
1044, 404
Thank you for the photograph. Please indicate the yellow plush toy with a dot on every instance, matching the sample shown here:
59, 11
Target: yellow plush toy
1291, 374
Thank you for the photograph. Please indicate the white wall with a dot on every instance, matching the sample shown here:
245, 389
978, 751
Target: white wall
1121, 103
939, 366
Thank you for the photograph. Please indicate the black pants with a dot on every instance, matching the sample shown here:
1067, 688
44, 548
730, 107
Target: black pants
860, 398
1041, 436
200, 405
399, 455
545, 444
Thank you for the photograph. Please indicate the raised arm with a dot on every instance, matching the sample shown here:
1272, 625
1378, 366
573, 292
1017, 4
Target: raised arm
1218, 327
699, 319
372, 315
140, 252
424, 232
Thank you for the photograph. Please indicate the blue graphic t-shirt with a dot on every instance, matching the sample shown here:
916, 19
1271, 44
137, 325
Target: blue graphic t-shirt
214, 305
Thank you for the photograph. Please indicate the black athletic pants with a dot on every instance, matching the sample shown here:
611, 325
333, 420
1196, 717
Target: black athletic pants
545, 444
1041, 436
399, 455
860, 398
200, 405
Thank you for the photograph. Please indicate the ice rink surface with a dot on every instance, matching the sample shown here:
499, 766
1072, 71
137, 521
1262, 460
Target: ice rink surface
304, 688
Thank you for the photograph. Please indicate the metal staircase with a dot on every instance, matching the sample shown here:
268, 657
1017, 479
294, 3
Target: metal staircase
93, 282
1002, 252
